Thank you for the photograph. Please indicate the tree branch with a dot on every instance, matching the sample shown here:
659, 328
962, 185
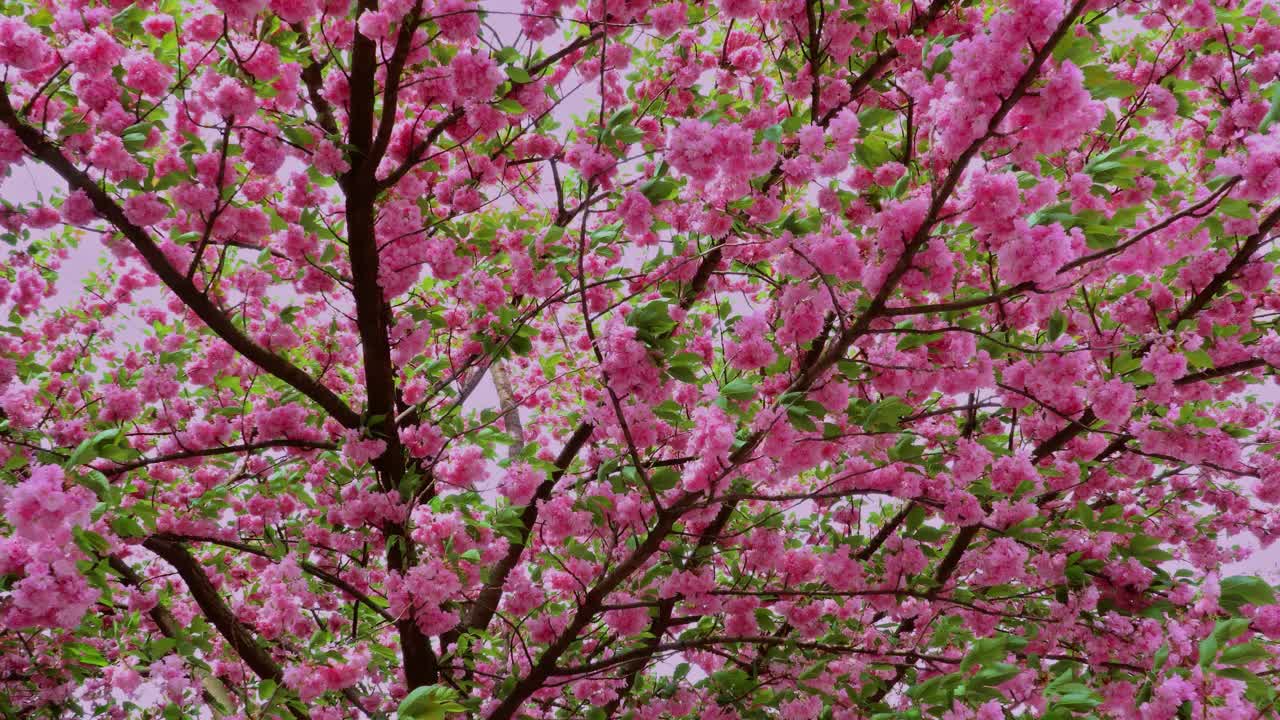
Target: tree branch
204, 308
122, 468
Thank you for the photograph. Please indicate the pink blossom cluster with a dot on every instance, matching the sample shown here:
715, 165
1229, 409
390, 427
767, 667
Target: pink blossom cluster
49, 590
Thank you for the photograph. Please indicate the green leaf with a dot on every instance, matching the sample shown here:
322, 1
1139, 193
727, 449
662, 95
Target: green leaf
800, 419
1199, 359
1273, 113
1057, 323
884, 415
684, 367
875, 117
510, 107
129, 20
84, 453
133, 142
1208, 651
628, 134
739, 389
216, 690
126, 526
86, 654
1244, 654
735, 680
431, 702
1240, 590
1236, 208
298, 136
1076, 48
915, 340
518, 74
1227, 630
664, 479
1102, 84
1161, 657
658, 189
653, 318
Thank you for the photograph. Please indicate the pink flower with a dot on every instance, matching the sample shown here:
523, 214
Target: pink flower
475, 76
1200, 14
264, 63
458, 19
374, 24
158, 25
125, 679
1009, 472
41, 509
844, 128
1268, 487
328, 159
668, 19
233, 100
312, 681
21, 46
520, 484
362, 450
78, 209
240, 9
636, 212
1267, 621
110, 154
463, 467
146, 74
145, 209
1059, 115
752, 350
990, 710
1113, 401
1036, 254
95, 54
692, 149
120, 404
1167, 366
740, 9
1001, 562
995, 201
889, 173
294, 11
1261, 167
52, 593
627, 622
283, 421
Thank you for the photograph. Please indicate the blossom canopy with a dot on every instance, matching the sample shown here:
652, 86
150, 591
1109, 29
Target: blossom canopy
639, 359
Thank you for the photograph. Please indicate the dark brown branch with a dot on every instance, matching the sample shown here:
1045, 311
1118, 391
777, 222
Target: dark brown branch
309, 568
419, 150
200, 304
239, 637
584, 615
121, 468
314, 81
394, 74
486, 603
1223, 371
373, 316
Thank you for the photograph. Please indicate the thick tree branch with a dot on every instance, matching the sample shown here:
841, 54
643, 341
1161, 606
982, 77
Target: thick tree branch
199, 303
373, 318
309, 568
239, 637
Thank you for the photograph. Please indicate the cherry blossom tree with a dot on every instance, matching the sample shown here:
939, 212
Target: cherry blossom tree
639, 359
